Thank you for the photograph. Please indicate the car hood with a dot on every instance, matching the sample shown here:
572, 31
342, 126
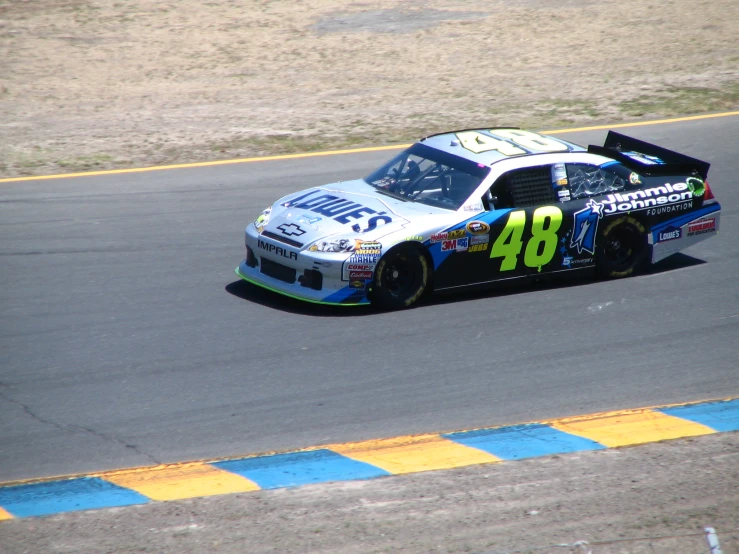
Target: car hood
351, 209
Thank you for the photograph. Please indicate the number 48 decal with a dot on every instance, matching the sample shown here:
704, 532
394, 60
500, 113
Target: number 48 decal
541, 246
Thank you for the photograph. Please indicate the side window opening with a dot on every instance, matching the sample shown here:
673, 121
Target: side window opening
530, 186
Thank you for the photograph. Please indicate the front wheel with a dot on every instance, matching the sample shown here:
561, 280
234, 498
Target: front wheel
622, 249
401, 278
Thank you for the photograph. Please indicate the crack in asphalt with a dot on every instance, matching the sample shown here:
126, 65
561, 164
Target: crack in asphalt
78, 428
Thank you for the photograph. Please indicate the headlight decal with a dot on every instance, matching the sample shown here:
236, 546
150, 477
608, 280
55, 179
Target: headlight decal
262, 220
334, 245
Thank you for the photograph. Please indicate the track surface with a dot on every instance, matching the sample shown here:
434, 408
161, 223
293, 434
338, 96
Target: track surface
126, 339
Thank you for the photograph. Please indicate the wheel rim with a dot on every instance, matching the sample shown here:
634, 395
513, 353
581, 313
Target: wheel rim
623, 247
400, 276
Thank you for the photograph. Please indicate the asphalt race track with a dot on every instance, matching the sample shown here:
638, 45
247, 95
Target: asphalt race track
127, 340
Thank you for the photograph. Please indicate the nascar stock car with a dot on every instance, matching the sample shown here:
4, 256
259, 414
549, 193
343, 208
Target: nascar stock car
475, 207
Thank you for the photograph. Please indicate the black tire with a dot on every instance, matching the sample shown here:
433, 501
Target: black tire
401, 278
622, 248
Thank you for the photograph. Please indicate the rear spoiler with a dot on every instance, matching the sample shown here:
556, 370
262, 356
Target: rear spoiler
623, 149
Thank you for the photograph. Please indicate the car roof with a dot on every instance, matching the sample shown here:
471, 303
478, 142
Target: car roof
492, 144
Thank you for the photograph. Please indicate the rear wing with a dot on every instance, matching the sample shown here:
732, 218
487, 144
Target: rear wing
648, 159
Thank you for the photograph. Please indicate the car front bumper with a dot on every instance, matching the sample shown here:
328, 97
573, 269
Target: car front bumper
301, 274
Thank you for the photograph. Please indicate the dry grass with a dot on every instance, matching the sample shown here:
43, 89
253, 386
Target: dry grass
100, 84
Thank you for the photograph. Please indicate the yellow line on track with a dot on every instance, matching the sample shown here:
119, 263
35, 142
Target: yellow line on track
336, 152
642, 123
207, 164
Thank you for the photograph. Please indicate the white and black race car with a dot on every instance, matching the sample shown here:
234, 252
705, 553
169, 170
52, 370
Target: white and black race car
475, 207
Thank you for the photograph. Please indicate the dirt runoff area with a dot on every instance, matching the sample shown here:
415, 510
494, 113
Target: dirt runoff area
651, 499
100, 84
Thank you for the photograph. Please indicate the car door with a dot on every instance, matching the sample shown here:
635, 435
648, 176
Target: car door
521, 233
527, 239
553, 223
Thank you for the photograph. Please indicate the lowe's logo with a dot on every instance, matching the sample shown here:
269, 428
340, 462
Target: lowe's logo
671, 233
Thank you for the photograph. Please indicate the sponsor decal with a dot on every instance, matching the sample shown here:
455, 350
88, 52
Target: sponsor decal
360, 267
291, 230
701, 226
414, 237
478, 228
473, 207
634, 179
363, 258
664, 195
478, 247
367, 247
339, 209
696, 186
356, 284
448, 235
459, 245
670, 233
569, 261
277, 250
482, 239
308, 219
643, 158
669, 209
559, 175
350, 267
563, 195
360, 275
585, 227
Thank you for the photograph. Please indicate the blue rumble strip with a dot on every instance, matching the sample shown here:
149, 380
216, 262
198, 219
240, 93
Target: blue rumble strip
54, 497
300, 468
523, 441
721, 416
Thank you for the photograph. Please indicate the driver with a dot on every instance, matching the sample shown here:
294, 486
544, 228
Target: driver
413, 171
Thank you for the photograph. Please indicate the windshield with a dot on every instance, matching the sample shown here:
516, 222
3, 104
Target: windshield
429, 176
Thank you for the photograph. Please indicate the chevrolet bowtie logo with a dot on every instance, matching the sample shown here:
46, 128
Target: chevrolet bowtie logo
291, 230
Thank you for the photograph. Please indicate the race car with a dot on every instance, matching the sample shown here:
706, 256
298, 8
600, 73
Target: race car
476, 207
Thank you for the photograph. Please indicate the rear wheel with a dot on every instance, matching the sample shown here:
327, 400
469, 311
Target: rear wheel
622, 249
401, 278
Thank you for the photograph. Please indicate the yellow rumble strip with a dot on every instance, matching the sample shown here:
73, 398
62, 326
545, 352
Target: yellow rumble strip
412, 454
178, 482
615, 429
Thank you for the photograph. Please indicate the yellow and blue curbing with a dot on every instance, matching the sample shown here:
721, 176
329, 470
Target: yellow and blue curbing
367, 460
